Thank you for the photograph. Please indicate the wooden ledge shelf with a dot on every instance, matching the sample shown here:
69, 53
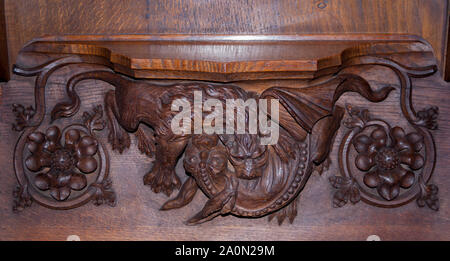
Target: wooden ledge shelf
220, 58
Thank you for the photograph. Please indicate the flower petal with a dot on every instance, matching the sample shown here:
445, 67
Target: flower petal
417, 162
371, 179
414, 160
37, 137
87, 146
416, 140
388, 191
364, 162
388, 175
60, 193
53, 134
379, 137
78, 181
42, 181
33, 146
33, 163
63, 179
87, 164
401, 143
72, 137
37, 161
87, 140
362, 143
407, 180
406, 157
51, 146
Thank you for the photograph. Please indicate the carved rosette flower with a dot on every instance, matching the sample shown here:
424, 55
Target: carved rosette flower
64, 165
389, 166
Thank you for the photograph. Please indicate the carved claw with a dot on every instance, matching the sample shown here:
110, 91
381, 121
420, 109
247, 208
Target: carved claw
162, 179
324, 166
184, 197
222, 203
119, 139
146, 143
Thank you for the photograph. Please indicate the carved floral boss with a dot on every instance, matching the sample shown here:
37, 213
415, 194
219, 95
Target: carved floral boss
63, 167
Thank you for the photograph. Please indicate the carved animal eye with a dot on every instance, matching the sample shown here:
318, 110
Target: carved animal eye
192, 160
259, 152
217, 161
236, 160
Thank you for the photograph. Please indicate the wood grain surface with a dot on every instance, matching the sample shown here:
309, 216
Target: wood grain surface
27, 19
4, 63
221, 58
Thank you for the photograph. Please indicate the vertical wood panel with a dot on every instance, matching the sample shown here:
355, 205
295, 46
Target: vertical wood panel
4, 64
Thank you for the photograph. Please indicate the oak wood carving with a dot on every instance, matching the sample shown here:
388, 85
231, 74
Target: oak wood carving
63, 166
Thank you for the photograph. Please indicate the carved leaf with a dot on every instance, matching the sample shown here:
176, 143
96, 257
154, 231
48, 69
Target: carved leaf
23, 116
428, 117
429, 197
93, 121
104, 194
21, 198
347, 190
358, 117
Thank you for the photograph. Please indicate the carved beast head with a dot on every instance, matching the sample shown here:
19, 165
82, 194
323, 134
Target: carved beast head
246, 154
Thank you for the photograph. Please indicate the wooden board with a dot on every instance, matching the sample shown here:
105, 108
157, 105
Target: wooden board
26, 19
220, 57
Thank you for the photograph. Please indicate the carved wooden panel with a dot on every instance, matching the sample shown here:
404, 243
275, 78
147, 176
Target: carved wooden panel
346, 109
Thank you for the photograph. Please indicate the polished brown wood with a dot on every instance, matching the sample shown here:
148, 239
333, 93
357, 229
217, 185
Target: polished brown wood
4, 62
394, 79
447, 52
26, 20
221, 58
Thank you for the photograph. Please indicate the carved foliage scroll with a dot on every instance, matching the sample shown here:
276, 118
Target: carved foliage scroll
64, 167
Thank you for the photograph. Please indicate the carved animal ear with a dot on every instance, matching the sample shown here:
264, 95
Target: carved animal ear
227, 140
165, 98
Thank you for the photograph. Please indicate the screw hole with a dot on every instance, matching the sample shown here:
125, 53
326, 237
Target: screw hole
73, 238
373, 238
321, 5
